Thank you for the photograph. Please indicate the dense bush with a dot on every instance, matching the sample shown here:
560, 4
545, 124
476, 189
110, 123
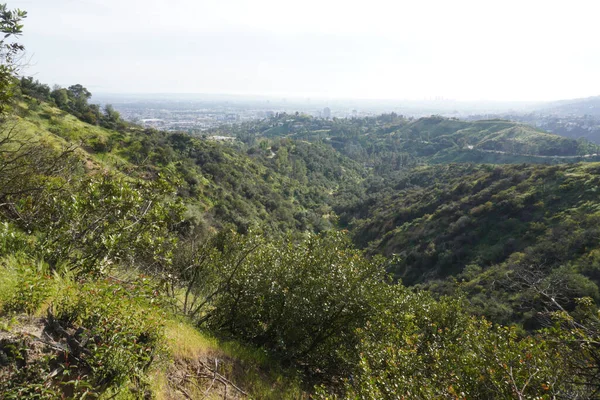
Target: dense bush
424, 349
301, 300
119, 328
24, 285
100, 221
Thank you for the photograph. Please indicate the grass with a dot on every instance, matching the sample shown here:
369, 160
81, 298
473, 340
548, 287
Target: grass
248, 368
49, 124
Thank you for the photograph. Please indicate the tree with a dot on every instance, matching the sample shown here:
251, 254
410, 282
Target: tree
10, 25
79, 97
60, 97
111, 118
35, 88
79, 93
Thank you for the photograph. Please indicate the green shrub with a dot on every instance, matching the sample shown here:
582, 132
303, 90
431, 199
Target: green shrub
121, 328
301, 300
420, 348
112, 334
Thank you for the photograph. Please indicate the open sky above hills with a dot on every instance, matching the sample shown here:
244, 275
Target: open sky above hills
464, 49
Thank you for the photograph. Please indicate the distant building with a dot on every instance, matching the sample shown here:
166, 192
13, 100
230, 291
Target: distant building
326, 113
222, 138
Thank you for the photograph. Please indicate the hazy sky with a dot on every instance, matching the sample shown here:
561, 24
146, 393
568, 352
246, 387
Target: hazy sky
458, 49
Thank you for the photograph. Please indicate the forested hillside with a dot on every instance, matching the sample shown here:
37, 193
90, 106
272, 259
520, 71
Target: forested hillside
310, 258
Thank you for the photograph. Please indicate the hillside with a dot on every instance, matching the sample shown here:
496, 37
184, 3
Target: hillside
115, 246
483, 226
288, 185
372, 258
391, 142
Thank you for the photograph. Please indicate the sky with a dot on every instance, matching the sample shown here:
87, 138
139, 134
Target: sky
508, 50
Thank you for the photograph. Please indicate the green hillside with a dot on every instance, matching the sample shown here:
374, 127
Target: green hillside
287, 185
480, 228
115, 246
373, 258
391, 142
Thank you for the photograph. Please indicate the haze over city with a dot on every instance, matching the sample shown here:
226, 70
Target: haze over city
461, 50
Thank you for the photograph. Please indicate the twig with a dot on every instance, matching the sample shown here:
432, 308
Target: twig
213, 380
223, 379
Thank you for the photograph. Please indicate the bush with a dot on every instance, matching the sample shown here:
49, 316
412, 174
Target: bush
301, 300
119, 327
102, 221
12, 240
106, 336
420, 348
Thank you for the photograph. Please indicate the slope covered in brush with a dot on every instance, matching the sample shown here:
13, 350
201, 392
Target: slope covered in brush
391, 142
288, 184
489, 226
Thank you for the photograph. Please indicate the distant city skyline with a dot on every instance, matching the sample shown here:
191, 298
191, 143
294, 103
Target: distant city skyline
463, 50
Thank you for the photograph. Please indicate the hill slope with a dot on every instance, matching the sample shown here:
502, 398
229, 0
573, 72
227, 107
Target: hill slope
391, 142
79, 226
486, 225
288, 186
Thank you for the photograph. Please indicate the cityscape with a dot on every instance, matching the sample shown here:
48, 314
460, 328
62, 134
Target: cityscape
199, 113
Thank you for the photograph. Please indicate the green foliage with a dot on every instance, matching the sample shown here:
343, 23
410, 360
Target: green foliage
89, 222
121, 327
11, 27
24, 285
421, 349
12, 240
35, 88
232, 188
73, 100
102, 221
302, 300
106, 336
510, 221
576, 336
390, 142
512, 239
25, 375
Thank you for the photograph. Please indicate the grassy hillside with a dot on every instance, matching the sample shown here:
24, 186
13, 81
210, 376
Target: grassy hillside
435, 221
114, 338
288, 185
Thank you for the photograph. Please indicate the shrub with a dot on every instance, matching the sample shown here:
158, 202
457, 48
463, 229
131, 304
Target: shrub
420, 348
12, 240
119, 328
301, 300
